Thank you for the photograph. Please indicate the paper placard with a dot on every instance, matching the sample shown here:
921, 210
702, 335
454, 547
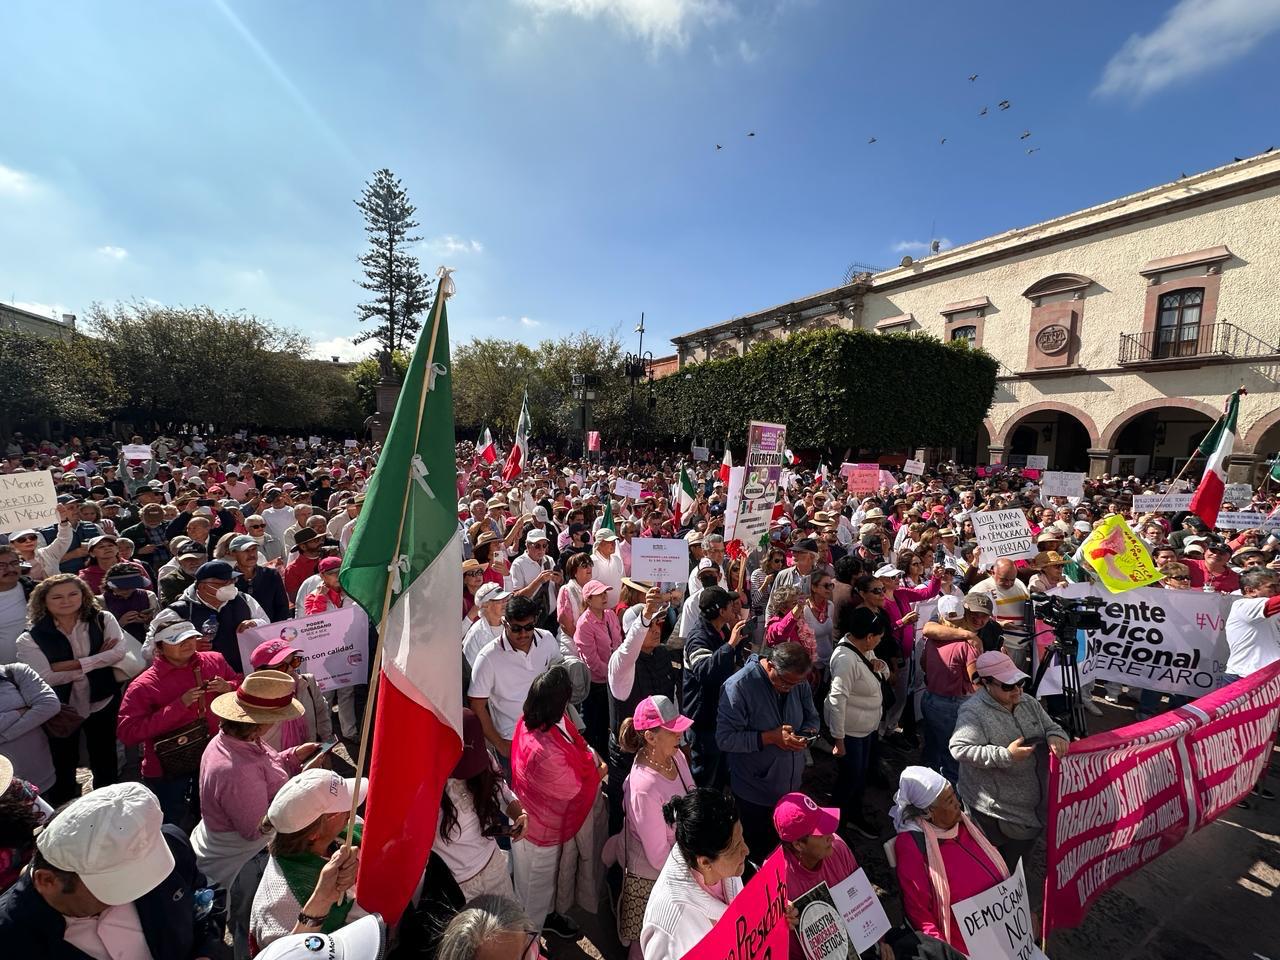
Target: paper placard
1174, 502
863, 912
766, 453
1237, 493
334, 645
1003, 534
1241, 520
656, 561
996, 924
1058, 483
136, 451
701, 453
820, 929
350, 444
313, 441
1037, 461
27, 500
861, 478
914, 467
627, 488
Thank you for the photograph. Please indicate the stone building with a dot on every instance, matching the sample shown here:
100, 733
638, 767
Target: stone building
1120, 329
18, 320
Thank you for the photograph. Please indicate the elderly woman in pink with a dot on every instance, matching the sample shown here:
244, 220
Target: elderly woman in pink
900, 607
557, 778
596, 635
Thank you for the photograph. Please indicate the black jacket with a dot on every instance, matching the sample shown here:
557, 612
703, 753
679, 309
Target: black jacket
709, 661
267, 587
33, 930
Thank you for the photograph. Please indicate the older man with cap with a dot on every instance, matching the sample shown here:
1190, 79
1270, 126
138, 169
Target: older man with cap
534, 575
109, 880
264, 584
1009, 597
217, 608
491, 602
180, 573
1212, 572
804, 557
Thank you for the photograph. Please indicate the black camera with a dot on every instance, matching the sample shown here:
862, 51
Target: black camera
1066, 615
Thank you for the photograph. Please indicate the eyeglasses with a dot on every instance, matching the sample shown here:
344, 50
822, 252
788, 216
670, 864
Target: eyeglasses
519, 627
23, 540
1006, 687
473, 573
255, 526
10, 564
877, 591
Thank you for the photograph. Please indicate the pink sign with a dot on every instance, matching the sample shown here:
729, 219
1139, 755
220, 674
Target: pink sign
754, 926
861, 478
1118, 800
1031, 473
593, 439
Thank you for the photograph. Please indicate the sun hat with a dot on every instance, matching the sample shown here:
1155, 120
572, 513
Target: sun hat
176, 632
605, 534
875, 513
593, 587
263, 697
536, 536
497, 503
659, 711
693, 538
1048, 558
475, 757
998, 666
491, 592
806, 545
797, 816
946, 532
472, 564
102, 538
950, 608
311, 795
365, 939
272, 653
111, 839
488, 536
887, 572
639, 585
1049, 536
305, 535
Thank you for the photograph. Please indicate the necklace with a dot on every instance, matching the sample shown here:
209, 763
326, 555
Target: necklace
668, 770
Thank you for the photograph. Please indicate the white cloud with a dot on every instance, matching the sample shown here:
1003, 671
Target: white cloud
449, 245
657, 21
920, 246
15, 183
112, 253
530, 322
1196, 36
748, 53
344, 348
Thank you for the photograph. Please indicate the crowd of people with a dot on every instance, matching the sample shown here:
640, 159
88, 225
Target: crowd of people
633, 747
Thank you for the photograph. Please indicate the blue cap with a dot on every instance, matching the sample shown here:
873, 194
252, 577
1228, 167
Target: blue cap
216, 570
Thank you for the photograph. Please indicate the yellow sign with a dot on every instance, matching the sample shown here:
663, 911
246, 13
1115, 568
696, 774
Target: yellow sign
1118, 557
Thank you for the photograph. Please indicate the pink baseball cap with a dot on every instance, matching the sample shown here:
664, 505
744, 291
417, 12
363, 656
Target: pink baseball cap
659, 711
592, 587
329, 564
797, 816
998, 666
271, 653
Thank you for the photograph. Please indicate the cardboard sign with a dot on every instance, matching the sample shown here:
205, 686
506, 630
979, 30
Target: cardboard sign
1241, 520
1058, 483
732, 502
913, 467
334, 645
862, 910
313, 441
1003, 533
701, 453
766, 454
1173, 503
657, 561
996, 924
27, 500
821, 930
593, 440
1037, 462
861, 478
1119, 558
136, 451
1237, 493
627, 488
754, 925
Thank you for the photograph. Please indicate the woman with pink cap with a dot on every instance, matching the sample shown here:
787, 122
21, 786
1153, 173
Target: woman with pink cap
596, 635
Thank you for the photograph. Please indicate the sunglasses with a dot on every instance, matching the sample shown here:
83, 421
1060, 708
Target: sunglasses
473, 573
1006, 687
877, 591
519, 627
255, 526
1177, 578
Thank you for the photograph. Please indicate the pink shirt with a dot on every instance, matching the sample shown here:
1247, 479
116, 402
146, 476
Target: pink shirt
836, 867
969, 872
238, 780
648, 837
114, 934
946, 668
596, 637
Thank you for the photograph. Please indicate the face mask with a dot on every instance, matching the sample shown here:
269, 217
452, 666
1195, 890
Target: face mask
227, 593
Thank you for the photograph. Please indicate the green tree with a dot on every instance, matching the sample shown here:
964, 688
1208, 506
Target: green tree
364, 377
55, 379
489, 378
391, 272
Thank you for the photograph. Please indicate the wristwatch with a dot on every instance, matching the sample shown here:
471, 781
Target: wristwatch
310, 921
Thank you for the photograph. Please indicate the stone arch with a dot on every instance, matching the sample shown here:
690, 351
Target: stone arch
1047, 406
1259, 430
1119, 421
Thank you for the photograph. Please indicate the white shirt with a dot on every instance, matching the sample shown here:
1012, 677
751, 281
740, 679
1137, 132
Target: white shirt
13, 621
466, 851
525, 569
502, 675
31, 654
1253, 637
689, 614
1009, 603
609, 572
479, 635
278, 520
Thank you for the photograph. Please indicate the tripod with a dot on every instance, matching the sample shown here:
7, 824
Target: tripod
1065, 649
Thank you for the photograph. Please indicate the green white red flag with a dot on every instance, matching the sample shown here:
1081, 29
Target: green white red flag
1216, 448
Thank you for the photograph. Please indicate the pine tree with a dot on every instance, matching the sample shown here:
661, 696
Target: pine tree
392, 274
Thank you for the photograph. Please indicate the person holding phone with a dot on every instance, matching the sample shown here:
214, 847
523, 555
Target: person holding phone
853, 709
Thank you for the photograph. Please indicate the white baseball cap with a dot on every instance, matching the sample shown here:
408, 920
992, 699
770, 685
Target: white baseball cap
309, 796
951, 608
365, 939
111, 839
887, 572
177, 632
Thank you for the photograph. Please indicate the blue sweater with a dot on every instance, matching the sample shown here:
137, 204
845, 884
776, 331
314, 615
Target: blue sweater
749, 707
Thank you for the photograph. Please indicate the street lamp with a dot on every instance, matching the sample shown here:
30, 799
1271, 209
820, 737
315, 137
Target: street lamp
638, 366
584, 391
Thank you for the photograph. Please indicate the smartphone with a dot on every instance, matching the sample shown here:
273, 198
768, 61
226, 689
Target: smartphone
1033, 741
205, 502
324, 750
498, 831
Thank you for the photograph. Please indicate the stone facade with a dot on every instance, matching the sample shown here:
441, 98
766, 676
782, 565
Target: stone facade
1120, 329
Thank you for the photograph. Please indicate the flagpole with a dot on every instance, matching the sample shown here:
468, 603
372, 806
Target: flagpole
366, 727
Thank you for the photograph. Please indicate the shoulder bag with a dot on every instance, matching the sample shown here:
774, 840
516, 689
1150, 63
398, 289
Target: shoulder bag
634, 896
179, 752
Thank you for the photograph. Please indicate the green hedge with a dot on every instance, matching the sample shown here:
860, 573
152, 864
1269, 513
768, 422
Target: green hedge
839, 388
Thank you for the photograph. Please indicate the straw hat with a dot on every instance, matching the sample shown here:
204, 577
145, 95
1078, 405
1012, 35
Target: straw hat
1050, 558
262, 697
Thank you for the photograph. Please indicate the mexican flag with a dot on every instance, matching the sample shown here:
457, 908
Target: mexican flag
486, 449
607, 519
1216, 447
685, 497
403, 569
518, 458
725, 466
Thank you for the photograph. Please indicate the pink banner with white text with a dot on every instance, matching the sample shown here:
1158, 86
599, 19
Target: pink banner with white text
1119, 799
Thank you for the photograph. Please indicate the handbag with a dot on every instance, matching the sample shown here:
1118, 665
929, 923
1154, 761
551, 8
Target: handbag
133, 662
634, 896
179, 752
64, 723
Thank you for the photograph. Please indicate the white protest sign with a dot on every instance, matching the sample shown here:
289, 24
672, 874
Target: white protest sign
996, 924
1003, 533
1037, 461
313, 441
1241, 520
27, 500
701, 453
627, 488
766, 453
334, 645
863, 913
1147, 502
913, 467
1237, 493
300, 444
733, 498
136, 451
349, 444
1058, 483
657, 561
242, 434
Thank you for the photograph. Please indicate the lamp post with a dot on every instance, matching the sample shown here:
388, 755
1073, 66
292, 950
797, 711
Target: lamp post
584, 391
638, 366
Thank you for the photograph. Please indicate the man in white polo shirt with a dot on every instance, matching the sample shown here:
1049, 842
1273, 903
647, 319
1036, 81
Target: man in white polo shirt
504, 670
1253, 638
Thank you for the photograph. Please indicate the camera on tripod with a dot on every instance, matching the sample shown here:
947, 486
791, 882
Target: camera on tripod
1066, 615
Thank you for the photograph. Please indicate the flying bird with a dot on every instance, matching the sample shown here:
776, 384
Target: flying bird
982, 112
872, 140
1031, 150
973, 77
942, 141
1003, 104
751, 134
719, 147
1025, 134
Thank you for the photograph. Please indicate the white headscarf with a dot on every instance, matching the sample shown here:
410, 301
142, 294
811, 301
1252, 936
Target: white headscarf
918, 787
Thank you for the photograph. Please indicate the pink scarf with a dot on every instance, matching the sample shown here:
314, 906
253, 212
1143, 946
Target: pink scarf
938, 871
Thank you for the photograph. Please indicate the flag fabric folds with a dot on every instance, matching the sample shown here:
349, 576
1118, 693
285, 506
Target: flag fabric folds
486, 449
518, 458
1216, 448
725, 466
686, 495
403, 568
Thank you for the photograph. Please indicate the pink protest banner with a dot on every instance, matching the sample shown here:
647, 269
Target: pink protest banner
861, 478
593, 440
1031, 473
1118, 800
754, 925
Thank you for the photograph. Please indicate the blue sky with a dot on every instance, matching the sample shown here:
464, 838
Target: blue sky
562, 152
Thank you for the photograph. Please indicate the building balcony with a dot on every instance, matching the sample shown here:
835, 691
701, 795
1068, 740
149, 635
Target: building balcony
1192, 344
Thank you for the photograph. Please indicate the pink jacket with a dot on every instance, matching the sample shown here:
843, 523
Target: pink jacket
969, 872
556, 778
791, 629
596, 638
899, 605
152, 704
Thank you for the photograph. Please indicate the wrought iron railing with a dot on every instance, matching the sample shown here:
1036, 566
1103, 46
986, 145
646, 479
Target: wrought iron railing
1220, 339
